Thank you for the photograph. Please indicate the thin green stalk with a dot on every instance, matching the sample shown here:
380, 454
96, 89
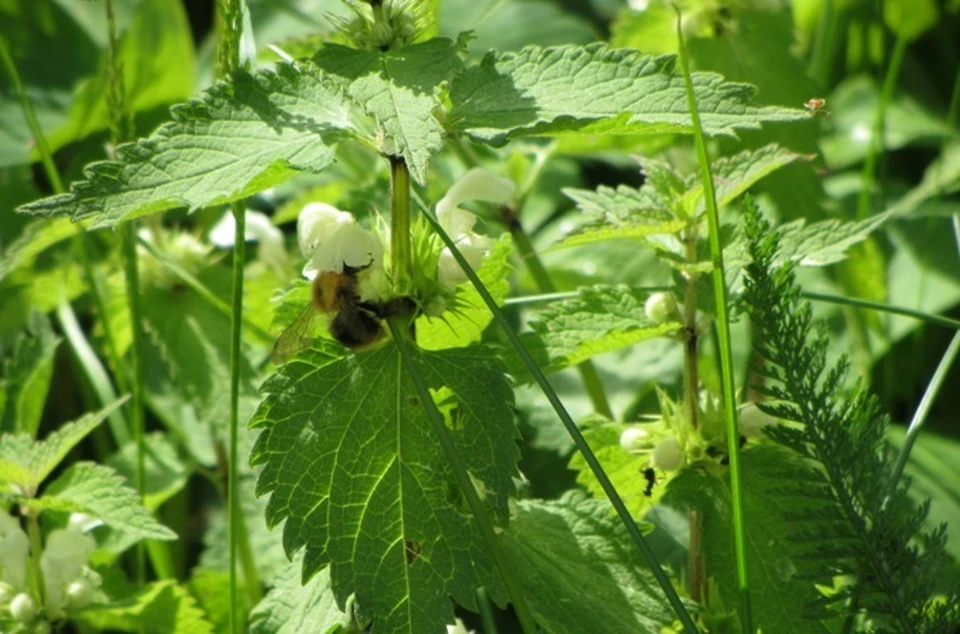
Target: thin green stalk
486, 612
132, 277
46, 156
250, 573
591, 459
236, 328
527, 623
920, 416
96, 373
929, 318
201, 289
726, 356
546, 298
868, 180
588, 372
36, 549
401, 260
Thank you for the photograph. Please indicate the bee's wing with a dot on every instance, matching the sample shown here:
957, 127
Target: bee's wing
297, 336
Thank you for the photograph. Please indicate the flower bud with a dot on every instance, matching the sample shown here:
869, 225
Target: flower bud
7, 592
667, 455
635, 439
473, 247
660, 307
23, 608
79, 593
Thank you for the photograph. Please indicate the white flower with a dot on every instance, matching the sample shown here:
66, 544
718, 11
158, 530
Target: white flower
635, 439
23, 608
14, 549
257, 228
80, 593
667, 455
477, 184
752, 421
458, 628
64, 561
330, 238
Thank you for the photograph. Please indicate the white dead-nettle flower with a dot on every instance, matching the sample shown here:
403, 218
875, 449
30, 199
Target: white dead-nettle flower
477, 184
331, 239
635, 439
458, 628
257, 228
668, 455
14, 549
23, 608
64, 561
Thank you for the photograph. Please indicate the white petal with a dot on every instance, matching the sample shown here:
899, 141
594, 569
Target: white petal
64, 558
350, 245
317, 222
474, 248
477, 184
14, 549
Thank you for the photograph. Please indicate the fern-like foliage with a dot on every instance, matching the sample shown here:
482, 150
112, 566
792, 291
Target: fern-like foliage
870, 530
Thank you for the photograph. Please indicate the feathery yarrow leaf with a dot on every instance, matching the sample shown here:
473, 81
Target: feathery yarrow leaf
896, 568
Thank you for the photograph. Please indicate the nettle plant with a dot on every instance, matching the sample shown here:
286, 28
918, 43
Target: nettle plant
384, 441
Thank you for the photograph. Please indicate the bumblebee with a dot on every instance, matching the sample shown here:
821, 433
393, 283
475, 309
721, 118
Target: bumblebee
356, 324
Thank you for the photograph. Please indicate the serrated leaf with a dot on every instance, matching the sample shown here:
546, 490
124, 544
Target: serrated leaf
623, 212
211, 589
25, 462
102, 493
380, 504
465, 325
238, 138
37, 237
600, 319
26, 379
398, 89
561, 548
292, 606
781, 584
162, 607
596, 89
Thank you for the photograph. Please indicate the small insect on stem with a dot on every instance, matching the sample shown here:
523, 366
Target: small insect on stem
816, 106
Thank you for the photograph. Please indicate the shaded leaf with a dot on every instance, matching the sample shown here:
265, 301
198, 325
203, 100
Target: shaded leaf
26, 379
292, 606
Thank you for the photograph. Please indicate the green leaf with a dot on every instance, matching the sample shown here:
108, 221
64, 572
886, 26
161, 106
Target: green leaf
236, 139
381, 504
101, 492
600, 319
398, 89
165, 473
37, 237
157, 61
465, 325
211, 589
564, 548
26, 378
292, 606
781, 585
25, 462
162, 607
595, 89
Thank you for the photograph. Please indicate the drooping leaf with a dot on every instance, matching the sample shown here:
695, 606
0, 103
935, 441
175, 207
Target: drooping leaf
380, 504
595, 89
561, 548
398, 88
25, 462
781, 586
161, 607
101, 492
286, 119
26, 377
600, 319
292, 606
466, 324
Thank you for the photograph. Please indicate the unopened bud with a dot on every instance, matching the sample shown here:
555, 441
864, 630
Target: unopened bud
635, 439
667, 454
23, 608
660, 307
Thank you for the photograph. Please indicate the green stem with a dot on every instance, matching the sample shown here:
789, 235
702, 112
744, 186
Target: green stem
920, 416
486, 612
132, 277
528, 255
46, 156
236, 328
726, 355
36, 550
412, 370
929, 318
250, 573
591, 459
401, 260
868, 181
